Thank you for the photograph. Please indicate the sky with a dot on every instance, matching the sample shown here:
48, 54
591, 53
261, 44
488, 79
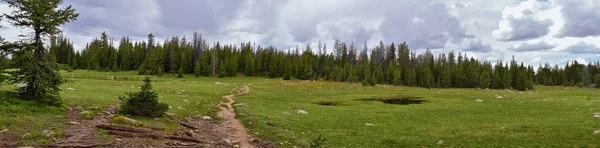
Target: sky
534, 31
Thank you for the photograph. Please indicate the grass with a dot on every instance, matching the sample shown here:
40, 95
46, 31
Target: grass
547, 117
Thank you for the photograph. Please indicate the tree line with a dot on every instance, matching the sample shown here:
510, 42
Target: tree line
392, 64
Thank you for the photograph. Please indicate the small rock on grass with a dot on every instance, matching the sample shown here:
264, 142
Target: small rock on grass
4, 130
71, 89
73, 123
286, 113
368, 124
596, 116
597, 132
302, 112
206, 117
479, 100
241, 105
440, 142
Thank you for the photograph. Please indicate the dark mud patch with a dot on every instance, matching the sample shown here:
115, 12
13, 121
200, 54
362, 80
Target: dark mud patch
398, 100
328, 103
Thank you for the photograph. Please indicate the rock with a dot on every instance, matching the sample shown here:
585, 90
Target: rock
499, 97
286, 113
47, 133
596, 116
58, 116
440, 142
368, 124
73, 123
241, 105
508, 90
597, 132
218, 83
206, 117
302, 112
236, 146
596, 113
4, 130
479, 100
71, 89
185, 100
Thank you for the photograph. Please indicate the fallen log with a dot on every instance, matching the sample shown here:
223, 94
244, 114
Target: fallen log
124, 128
139, 132
188, 139
182, 123
80, 145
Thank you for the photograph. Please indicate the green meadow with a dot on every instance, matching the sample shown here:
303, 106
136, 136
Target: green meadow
344, 114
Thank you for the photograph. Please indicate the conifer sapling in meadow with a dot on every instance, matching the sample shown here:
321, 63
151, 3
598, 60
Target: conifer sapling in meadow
143, 103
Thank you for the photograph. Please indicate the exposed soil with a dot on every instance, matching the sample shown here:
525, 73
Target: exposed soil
228, 119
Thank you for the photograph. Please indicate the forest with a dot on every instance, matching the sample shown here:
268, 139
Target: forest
391, 64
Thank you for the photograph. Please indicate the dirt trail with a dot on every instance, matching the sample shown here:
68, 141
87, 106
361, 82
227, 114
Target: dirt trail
228, 119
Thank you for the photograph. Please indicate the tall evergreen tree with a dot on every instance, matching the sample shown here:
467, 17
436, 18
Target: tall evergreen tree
36, 69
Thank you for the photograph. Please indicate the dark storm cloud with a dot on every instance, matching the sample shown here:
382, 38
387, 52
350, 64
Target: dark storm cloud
583, 48
581, 18
206, 16
540, 46
526, 28
120, 18
476, 45
430, 26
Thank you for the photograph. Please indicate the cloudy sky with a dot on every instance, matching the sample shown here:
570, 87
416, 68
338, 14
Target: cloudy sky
534, 31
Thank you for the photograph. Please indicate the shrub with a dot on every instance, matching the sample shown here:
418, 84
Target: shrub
180, 73
143, 103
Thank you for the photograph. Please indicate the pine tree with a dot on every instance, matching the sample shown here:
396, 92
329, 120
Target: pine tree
288, 71
397, 77
352, 74
206, 63
222, 72
367, 80
484, 79
597, 80
197, 69
427, 78
36, 69
379, 78
411, 77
